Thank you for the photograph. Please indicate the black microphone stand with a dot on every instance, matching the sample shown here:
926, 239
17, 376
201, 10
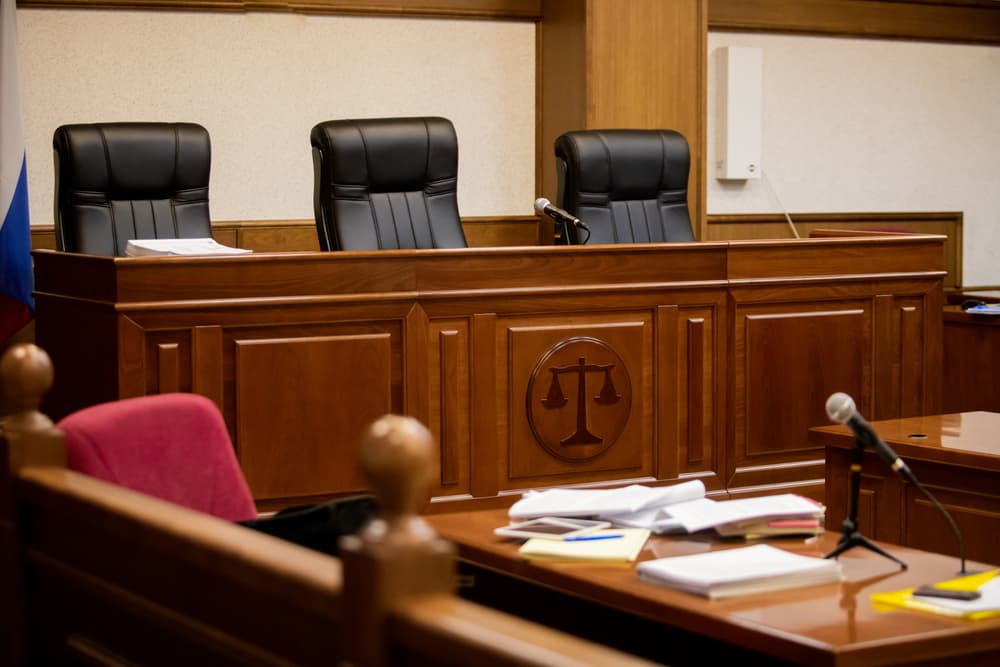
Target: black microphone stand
850, 536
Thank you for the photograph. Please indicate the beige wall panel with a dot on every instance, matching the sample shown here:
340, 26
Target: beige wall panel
260, 81
873, 125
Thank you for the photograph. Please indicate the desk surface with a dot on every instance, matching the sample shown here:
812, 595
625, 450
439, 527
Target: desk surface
966, 438
832, 624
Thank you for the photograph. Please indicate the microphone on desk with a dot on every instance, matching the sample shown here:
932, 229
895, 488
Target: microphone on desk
840, 408
544, 207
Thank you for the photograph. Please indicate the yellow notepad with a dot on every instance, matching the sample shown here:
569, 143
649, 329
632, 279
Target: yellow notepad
986, 607
624, 549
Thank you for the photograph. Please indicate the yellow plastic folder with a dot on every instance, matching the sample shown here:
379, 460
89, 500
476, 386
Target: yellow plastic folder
987, 606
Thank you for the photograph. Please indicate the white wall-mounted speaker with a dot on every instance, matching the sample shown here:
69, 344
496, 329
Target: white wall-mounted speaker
739, 121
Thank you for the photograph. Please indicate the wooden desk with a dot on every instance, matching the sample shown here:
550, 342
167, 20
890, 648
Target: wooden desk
832, 624
956, 456
971, 362
697, 344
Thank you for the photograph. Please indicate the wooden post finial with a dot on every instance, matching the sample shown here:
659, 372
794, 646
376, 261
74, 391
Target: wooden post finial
25, 377
396, 458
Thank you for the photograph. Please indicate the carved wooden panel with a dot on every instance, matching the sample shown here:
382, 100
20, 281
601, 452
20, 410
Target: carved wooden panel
578, 399
788, 359
449, 386
971, 356
301, 406
977, 516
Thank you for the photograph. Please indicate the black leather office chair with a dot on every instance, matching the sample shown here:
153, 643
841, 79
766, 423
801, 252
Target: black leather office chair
386, 183
628, 186
121, 181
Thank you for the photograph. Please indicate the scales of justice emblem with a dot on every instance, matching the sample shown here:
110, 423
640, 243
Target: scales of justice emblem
579, 398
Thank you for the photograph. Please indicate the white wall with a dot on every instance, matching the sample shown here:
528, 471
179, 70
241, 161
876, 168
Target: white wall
260, 81
875, 126
849, 125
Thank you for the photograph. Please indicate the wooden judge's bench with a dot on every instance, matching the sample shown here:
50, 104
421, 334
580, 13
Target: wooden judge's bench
532, 366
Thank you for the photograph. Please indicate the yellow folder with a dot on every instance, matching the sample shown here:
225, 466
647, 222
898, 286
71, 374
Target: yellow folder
972, 610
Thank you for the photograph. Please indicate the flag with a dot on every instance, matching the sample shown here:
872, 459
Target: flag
16, 303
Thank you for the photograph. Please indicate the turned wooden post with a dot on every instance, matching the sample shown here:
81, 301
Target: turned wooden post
27, 437
397, 555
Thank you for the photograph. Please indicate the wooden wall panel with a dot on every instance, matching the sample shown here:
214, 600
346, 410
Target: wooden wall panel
485, 417
668, 426
610, 64
727, 350
449, 384
976, 514
788, 359
971, 354
273, 377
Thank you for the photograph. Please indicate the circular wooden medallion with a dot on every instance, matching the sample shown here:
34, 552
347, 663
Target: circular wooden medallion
579, 398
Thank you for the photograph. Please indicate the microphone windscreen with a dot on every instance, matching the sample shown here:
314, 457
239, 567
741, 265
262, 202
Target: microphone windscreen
840, 407
541, 203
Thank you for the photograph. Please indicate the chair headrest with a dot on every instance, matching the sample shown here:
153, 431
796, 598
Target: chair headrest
625, 164
133, 160
389, 154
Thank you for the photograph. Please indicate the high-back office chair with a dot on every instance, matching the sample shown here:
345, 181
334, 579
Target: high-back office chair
121, 181
386, 183
172, 446
628, 186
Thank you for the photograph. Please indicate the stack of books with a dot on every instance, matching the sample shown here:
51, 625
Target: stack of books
743, 571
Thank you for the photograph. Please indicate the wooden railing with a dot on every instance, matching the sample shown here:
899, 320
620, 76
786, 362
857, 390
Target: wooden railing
93, 573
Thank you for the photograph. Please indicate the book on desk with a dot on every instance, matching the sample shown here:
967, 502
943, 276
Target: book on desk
743, 571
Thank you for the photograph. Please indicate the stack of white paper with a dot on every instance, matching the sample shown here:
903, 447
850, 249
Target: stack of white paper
764, 515
199, 246
634, 505
732, 572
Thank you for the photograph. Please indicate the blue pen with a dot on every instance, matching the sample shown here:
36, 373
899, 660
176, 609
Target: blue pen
587, 538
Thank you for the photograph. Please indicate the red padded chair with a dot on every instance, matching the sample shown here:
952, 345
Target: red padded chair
172, 446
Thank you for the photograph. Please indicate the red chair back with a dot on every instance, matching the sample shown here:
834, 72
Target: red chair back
172, 446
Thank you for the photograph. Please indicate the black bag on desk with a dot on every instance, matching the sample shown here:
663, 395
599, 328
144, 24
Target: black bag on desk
318, 526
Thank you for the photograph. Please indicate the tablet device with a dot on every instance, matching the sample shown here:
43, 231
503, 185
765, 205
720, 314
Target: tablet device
553, 528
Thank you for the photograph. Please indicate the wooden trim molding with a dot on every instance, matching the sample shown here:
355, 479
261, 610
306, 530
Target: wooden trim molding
973, 21
300, 235
488, 9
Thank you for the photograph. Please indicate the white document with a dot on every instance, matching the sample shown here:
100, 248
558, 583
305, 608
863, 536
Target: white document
742, 571
656, 519
695, 517
602, 502
159, 247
